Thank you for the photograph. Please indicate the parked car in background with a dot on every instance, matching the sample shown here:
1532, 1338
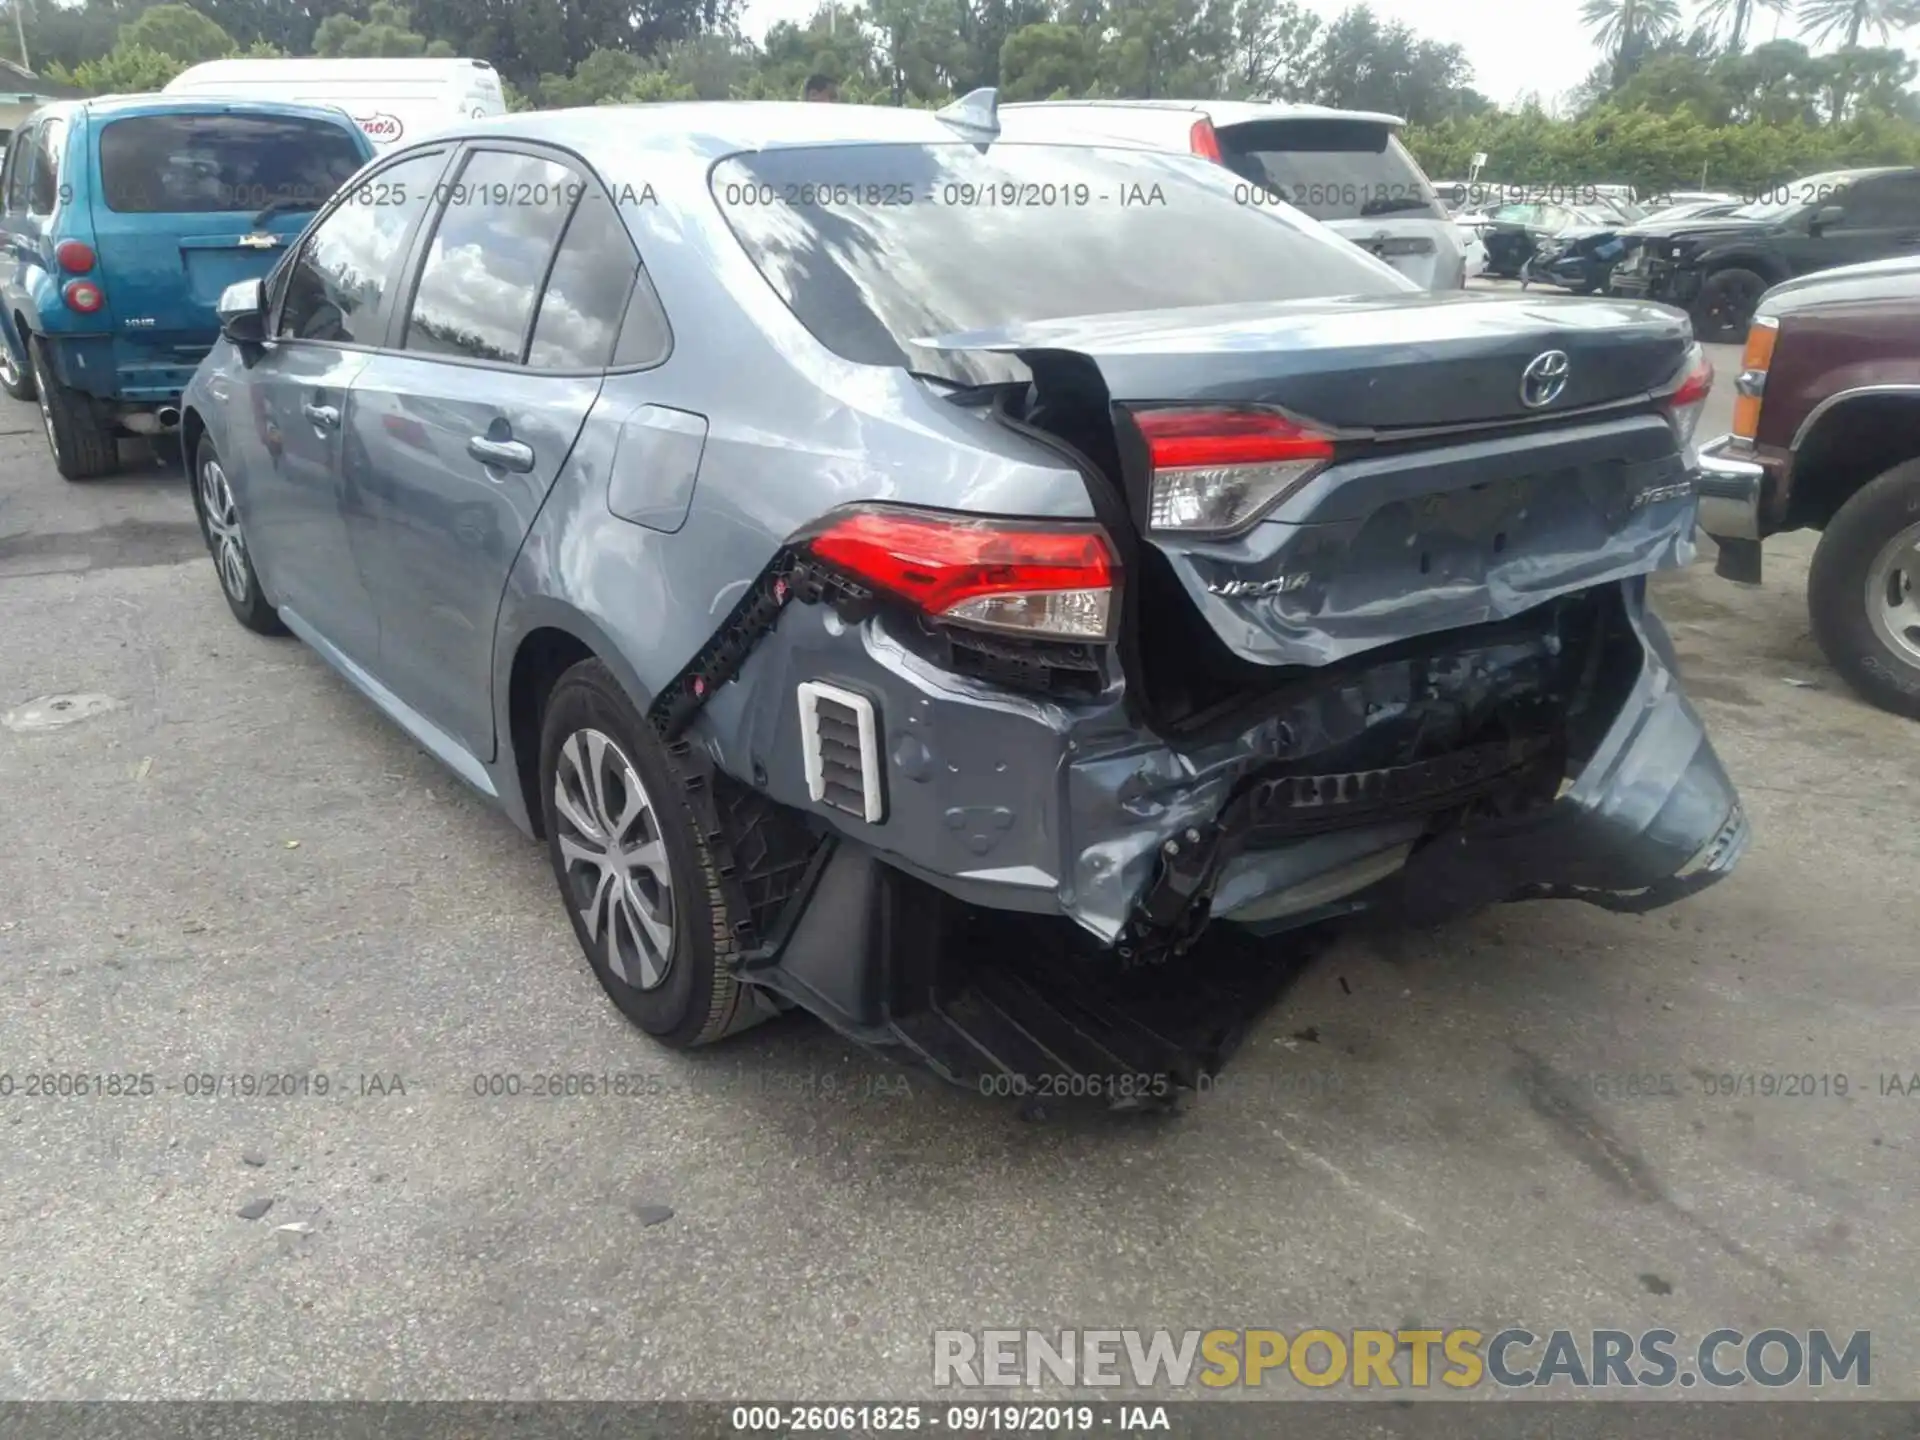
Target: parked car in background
123, 220
391, 99
1515, 233
1692, 210
1716, 269
814, 578
1345, 168
1826, 436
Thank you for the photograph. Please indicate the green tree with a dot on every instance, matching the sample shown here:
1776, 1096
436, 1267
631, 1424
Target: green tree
1272, 50
178, 31
387, 31
1625, 29
604, 75
1849, 19
1039, 62
1735, 17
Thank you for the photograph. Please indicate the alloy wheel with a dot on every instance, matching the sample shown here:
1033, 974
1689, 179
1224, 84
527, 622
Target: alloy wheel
615, 858
1893, 594
223, 531
9, 366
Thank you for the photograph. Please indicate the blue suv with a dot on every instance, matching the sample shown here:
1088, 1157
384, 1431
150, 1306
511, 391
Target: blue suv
121, 222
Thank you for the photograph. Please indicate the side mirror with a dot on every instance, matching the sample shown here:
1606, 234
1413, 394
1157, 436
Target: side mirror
1827, 215
243, 314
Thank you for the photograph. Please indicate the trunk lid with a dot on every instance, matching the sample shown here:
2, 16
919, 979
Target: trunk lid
1395, 532
1368, 363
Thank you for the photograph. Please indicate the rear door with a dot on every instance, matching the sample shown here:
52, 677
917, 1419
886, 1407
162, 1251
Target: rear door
176, 194
1355, 177
457, 431
1882, 218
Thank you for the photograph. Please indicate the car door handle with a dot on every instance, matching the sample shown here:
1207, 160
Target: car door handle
323, 417
514, 455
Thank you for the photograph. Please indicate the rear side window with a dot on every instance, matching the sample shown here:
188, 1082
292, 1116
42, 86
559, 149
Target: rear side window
49, 150
1332, 169
877, 247
490, 250
188, 164
587, 291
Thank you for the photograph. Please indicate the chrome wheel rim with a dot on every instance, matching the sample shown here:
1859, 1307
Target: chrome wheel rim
46, 408
1893, 595
9, 367
614, 858
223, 531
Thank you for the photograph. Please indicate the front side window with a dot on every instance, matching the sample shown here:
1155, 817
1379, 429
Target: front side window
1888, 203
186, 164
49, 147
19, 165
346, 266
876, 248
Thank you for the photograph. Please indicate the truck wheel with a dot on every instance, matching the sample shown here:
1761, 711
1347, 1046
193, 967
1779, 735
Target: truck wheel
83, 445
1863, 592
638, 881
1726, 304
16, 372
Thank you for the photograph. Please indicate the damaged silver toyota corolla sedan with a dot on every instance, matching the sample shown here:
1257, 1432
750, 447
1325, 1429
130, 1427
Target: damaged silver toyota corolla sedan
834, 530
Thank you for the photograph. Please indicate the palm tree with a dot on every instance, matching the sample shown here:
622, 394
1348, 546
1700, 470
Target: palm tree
1735, 17
1822, 19
1625, 28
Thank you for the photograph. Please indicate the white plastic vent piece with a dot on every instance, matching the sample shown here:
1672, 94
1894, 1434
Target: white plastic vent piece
840, 738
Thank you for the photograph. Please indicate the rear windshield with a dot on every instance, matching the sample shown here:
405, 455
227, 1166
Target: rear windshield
875, 247
1332, 169
186, 164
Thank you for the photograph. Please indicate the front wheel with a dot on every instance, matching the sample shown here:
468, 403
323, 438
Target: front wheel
1725, 308
639, 883
227, 543
83, 445
1863, 591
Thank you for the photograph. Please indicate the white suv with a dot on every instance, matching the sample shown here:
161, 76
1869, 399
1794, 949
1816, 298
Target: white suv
1344, 168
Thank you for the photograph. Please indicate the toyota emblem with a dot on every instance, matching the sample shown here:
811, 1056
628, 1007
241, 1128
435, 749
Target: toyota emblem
1544, 378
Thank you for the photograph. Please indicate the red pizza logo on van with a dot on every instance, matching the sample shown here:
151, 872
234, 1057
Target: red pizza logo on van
381, 127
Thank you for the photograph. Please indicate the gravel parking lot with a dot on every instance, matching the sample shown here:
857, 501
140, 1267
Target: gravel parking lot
238, 868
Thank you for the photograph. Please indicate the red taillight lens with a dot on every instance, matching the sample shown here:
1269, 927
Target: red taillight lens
1686, 403
1698, 384
1021, 575
84, 296
73, 256
1215, 470
1203, 141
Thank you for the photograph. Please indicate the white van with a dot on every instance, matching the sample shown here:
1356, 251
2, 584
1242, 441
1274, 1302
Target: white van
393, 100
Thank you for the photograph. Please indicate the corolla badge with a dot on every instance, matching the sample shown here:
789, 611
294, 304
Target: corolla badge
381, 127
1544, 378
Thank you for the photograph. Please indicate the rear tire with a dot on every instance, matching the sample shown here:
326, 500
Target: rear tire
16, 370
1863, 591
83, 445
1723, 312
653, 922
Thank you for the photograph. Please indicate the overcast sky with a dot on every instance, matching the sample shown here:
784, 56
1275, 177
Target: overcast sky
1512, 48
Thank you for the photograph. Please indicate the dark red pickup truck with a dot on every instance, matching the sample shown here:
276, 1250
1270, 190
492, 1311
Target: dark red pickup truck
1826, 435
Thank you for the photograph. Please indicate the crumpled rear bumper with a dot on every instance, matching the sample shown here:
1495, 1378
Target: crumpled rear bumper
1651, 818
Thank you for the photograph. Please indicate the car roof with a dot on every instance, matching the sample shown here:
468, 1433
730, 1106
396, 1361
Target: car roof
118, 106
717, 127
1222, 112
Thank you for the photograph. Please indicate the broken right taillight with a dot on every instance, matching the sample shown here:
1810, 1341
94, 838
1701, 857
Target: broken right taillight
1041, 578
1216, 471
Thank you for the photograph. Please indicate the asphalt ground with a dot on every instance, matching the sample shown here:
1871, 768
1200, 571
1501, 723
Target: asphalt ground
237, 868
